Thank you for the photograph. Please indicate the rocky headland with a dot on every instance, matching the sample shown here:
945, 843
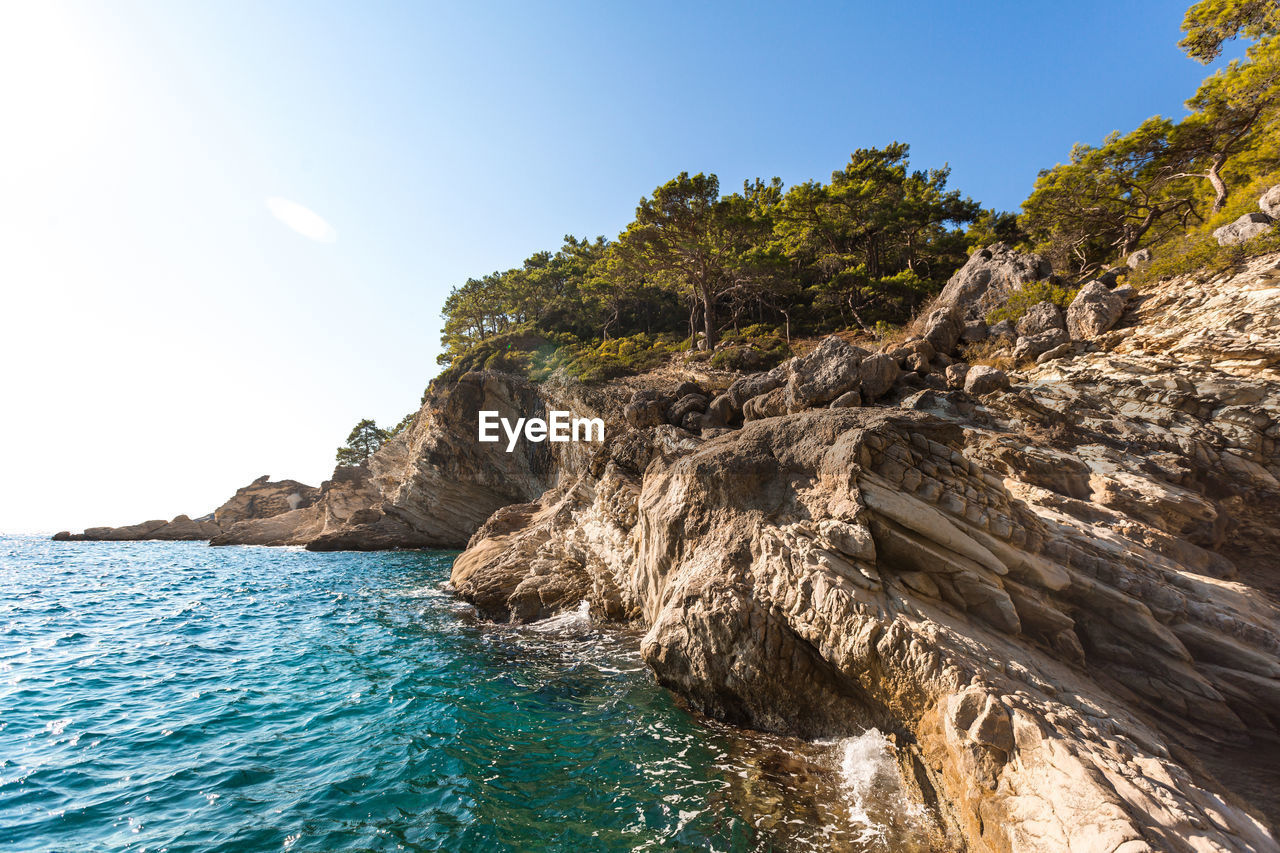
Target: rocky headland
1050, 573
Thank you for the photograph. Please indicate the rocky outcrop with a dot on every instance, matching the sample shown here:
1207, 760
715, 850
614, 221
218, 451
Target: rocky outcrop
1245, 228
1060, 597
265, 498
261, 500
434, 484
988, 277
180, 529
1269, 202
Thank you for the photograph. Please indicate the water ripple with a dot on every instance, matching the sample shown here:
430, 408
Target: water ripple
170, 696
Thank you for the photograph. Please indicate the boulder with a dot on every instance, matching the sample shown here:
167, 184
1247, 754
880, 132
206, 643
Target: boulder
941, 329
1245, 228
721, 411
1060, 351
1138, 259
878, 373
1270, 202
755, 385
818, 377
955, 375
847, 400
686, 405
1033, 346
1094, 310
770, 404
1040, 317
984, 283
686, 388
982, 379
917, 363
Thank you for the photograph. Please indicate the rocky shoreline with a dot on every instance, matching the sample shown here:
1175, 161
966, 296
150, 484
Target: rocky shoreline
1055, 586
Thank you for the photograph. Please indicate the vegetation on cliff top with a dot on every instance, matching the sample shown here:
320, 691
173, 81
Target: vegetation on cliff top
749, 270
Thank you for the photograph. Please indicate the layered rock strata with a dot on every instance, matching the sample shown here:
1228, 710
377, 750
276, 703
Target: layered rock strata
1060, 596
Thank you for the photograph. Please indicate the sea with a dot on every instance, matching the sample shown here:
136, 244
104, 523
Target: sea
176, 697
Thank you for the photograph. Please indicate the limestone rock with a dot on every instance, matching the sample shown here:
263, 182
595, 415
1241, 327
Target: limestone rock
955, 375
983, 379
1032, 347
1245, 228
1041, 317
984, 283
1139, 259
1270, 202
1094, 310
878, 373
820, 376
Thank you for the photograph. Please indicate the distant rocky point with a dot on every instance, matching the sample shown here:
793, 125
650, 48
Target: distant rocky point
261, 499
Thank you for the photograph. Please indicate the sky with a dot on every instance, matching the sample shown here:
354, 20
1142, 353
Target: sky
227, 228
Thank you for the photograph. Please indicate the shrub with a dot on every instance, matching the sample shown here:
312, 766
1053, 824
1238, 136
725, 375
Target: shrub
1032, 293
751, 349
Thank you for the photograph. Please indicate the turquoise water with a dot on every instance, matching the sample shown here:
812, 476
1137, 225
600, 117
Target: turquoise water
171, 696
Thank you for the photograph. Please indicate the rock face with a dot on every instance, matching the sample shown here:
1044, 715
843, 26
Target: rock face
1245, 228
1270, 202
434, 484
987, 279
264, 498
1061, 599
181, 529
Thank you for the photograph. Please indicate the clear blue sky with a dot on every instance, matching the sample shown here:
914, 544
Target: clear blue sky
167, 337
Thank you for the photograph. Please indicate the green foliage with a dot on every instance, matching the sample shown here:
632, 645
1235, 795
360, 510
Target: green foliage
620, 357
1210, 23
1032, 293
754, 348
363, 441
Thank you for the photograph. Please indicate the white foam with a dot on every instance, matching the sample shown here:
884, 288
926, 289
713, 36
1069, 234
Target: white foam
567, 621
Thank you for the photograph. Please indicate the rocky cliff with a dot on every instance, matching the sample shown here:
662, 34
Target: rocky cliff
1041, 555
1057, 588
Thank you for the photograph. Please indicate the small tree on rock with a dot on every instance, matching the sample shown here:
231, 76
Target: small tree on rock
365, 439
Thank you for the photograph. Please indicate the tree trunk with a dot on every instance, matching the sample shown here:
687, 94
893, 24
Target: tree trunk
709, 318
1219, 187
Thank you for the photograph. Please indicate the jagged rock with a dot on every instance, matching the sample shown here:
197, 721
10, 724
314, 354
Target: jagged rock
1270, 202
1245, 228
1139, 259
974, 331
264, 498
983, 379
1125, 292
955, 375
878, 372
984, 283
818, 377
1041, 317
180, 529
917, 363
753, 386
688, 404
1032, 347
1094, 310
941, 328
